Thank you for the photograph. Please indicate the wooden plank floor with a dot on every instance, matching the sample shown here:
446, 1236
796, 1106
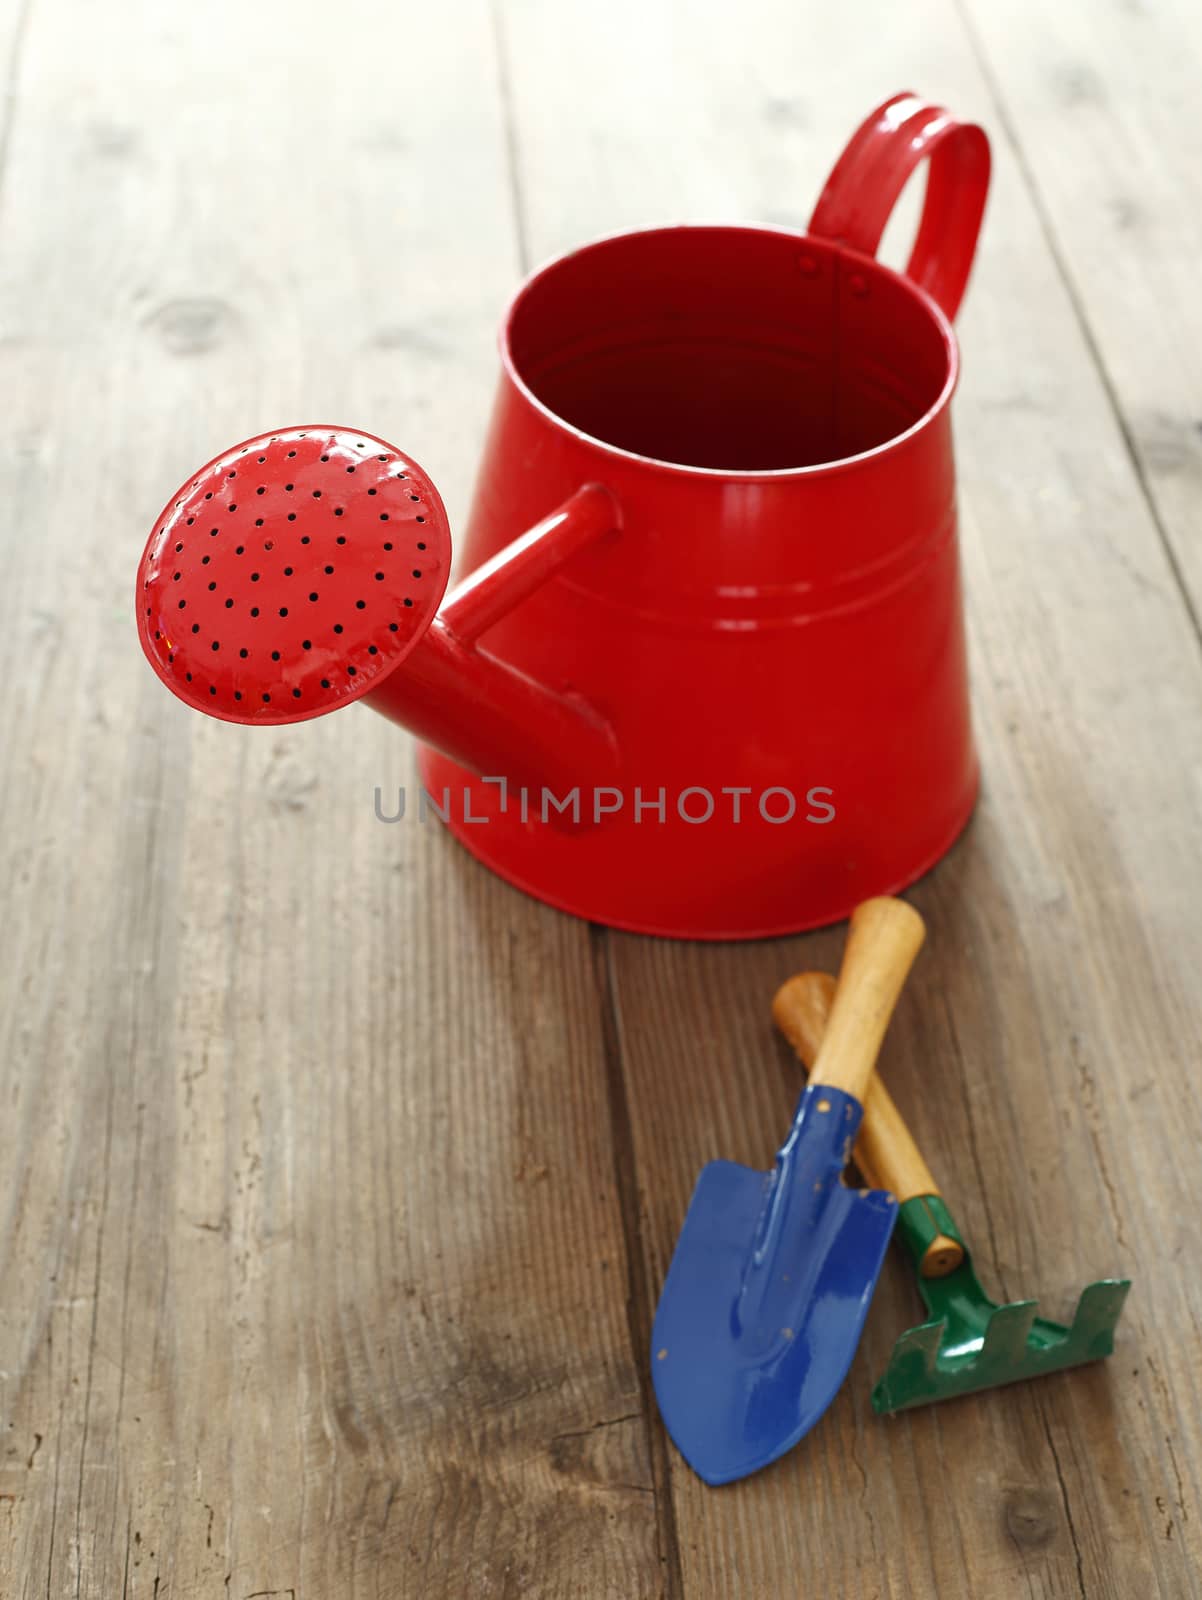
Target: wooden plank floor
337, 1179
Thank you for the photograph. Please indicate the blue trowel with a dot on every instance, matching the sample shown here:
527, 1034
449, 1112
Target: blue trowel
764, 1301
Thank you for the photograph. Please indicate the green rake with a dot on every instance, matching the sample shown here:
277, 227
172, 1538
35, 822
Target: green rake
969, 1341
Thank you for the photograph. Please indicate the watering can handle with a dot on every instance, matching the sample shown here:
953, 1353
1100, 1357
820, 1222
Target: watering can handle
868, 177
886, 1154
884, 938
491, 591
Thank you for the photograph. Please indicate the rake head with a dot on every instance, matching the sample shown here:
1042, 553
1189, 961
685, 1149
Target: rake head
972, 1343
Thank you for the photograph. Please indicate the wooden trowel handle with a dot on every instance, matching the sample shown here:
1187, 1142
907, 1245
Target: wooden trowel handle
885, 1152
884, 938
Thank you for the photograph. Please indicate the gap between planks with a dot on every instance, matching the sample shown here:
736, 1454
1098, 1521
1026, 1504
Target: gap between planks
639, 1309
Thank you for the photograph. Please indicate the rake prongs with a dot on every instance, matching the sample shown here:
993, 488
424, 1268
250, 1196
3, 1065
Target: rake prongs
1006, 1335
1096, 1317
993, 1346
912, 1365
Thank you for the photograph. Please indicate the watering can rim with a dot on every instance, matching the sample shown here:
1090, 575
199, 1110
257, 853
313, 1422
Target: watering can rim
725, 475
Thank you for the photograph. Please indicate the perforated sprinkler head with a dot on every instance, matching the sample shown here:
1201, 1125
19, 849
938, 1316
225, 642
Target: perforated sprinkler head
292, 574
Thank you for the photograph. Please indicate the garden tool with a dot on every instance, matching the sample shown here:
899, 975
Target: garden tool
619, 659
969, 1341
764, 1301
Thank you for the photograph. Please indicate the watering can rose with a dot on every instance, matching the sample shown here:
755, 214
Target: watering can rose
696, 804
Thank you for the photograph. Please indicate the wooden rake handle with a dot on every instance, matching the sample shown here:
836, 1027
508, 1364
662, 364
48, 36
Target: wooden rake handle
885, 1152
884, 938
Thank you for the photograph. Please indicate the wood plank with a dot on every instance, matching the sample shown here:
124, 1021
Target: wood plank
1056, 1012
14, 21
313, 1263
1105, 102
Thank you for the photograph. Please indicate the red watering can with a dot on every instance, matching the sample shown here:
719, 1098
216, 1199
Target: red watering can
706, 673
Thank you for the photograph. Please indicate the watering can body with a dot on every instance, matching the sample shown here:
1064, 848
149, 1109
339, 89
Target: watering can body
704, 672
781, 661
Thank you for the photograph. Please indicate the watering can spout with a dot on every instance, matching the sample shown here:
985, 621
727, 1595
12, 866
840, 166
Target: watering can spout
306, 569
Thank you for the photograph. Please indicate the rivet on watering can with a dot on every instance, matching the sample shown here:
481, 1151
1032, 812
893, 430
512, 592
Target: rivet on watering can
858, 284
807, 266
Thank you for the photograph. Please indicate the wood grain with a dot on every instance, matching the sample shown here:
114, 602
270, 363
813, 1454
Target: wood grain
314, 1275
1043, 1049
1104, 103
337, 1180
